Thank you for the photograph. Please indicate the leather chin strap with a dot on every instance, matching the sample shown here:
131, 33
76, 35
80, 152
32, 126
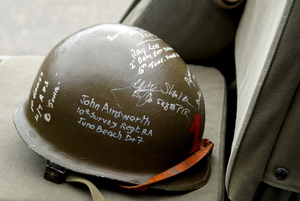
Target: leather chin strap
205, 149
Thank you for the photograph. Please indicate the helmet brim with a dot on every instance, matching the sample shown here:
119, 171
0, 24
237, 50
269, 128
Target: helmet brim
193, 178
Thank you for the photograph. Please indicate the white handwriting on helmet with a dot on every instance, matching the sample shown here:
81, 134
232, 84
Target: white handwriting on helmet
143, 58
169, 90
82, 121
40, 106
139, 139
130, 129
93, 116
116, 134
190, 78
109, 133
91, 103
143, 91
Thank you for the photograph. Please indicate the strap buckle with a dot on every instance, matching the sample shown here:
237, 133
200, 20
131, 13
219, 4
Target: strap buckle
54, 173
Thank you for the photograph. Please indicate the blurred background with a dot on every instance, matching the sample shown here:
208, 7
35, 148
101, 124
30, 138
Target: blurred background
34, 27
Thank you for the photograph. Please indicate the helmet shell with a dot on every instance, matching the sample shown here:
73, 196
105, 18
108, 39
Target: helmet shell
113, 101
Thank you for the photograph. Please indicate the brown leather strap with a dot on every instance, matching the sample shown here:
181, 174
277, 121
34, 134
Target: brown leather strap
206, 149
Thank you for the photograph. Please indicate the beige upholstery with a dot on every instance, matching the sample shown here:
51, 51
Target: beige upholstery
21, 175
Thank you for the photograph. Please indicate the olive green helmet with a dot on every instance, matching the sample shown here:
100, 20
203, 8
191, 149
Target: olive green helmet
116, 101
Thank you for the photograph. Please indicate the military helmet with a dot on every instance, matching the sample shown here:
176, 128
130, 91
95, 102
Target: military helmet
115, 101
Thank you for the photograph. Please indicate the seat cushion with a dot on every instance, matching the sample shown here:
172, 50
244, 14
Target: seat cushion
21, 175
